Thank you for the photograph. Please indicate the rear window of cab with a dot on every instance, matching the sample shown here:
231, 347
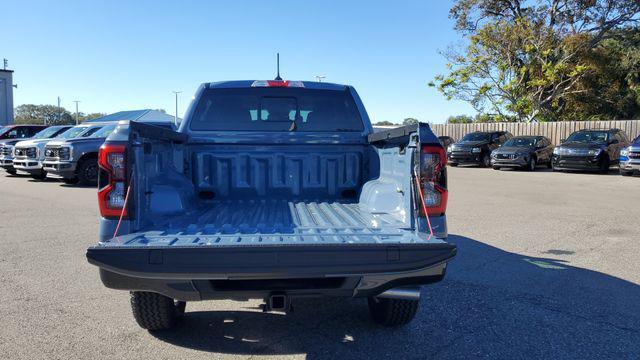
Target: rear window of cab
276, 109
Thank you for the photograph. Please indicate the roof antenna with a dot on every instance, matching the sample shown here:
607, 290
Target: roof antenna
278, 78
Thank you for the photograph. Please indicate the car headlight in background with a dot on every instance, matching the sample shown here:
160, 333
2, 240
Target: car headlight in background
594, 152
556, 151
624, 152
31, 152
476, 150
65, 153
449, 148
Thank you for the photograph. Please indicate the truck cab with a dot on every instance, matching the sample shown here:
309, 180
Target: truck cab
272, 190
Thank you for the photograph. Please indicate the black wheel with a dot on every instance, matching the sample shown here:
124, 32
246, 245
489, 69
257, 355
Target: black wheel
39, 176
392, 312
550, 164
605, 163
486, 160
496, 167
453, 164
88, 171
154, 311
11, 171
70, 181
626, 173
531, 165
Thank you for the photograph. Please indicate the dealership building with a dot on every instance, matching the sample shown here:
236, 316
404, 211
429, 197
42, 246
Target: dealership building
6, 97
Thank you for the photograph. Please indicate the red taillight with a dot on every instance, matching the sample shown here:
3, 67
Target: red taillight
113, 190
433, 180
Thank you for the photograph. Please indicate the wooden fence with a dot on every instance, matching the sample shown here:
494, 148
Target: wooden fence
553, 130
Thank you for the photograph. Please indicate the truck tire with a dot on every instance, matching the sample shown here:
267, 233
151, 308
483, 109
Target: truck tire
626, 173
11, 171
531, 164
392, 312
605, 164
39, 176
486, 161
70, 181
154, 311
88, 171
453, 164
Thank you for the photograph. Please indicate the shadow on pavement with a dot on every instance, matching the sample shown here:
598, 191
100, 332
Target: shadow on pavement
493, 304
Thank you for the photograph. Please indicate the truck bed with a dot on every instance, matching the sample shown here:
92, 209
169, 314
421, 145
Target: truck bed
264, 222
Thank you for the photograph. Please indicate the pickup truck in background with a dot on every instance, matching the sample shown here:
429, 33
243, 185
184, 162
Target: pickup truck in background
272, 190
9, 136
75, 159
29, 154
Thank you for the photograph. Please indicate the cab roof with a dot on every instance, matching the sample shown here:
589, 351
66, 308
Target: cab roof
239, 84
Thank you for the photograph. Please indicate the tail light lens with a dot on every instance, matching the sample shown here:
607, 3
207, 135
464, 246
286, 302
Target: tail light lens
433, 180
113, 180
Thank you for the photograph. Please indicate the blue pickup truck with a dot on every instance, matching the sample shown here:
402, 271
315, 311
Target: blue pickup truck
272, 190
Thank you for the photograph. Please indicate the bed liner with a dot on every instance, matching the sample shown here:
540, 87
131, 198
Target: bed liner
274, 222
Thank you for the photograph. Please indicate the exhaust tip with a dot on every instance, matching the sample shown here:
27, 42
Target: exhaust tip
403, 293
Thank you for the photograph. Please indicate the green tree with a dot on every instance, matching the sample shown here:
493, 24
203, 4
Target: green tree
410, 121
459, 119
85, 117
42, 114
384, 123
524, 59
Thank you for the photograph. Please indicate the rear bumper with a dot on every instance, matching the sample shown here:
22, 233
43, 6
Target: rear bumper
251, 271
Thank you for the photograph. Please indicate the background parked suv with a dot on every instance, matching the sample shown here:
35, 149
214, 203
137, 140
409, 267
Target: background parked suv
590, 149
476, 147
630, 158
524, 152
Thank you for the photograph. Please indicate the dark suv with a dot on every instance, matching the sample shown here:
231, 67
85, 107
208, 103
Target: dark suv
590, 149
476, 147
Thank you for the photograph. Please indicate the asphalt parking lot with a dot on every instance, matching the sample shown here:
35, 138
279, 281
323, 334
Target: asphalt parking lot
548, 266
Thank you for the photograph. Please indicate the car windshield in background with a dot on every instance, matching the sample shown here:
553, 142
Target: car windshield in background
47, 133
276, 109
73, 132
103, 132
520, 142
589, 136
475, 137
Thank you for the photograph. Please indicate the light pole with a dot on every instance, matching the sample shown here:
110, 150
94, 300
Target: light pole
77, 113
175, 119
320, 77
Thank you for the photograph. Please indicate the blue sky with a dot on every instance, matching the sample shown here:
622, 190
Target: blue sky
121, 55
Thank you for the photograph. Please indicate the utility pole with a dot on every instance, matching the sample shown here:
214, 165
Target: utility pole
175, 119
59, 113
320, 77
77, 113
